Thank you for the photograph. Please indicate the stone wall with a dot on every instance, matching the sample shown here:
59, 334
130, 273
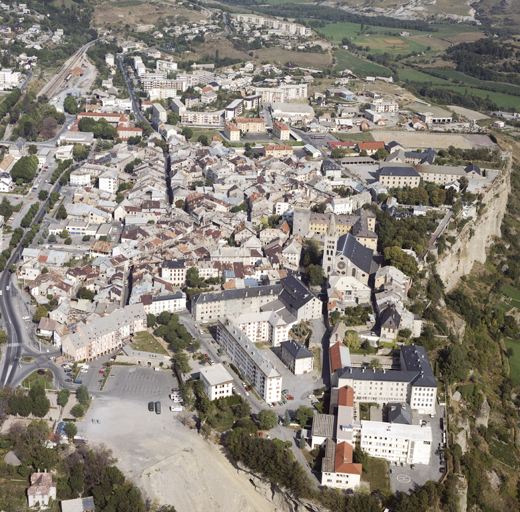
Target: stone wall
477, 235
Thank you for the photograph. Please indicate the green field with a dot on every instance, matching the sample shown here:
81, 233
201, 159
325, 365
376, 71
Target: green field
346, 60
45, 380
511, 292
504, 307
502, 100
145, 342
417, 76
514, 362
457, 75
355, 137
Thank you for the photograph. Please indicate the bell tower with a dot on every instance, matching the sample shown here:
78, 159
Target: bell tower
330, 244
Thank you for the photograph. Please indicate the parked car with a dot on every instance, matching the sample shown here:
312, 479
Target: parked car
68, 380
150, 406
157, 407
441, 470
102, 371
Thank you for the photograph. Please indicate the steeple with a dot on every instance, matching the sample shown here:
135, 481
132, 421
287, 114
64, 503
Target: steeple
331, 230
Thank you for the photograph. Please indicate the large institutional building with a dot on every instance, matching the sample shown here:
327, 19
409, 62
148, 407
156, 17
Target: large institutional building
398, 392
103, 335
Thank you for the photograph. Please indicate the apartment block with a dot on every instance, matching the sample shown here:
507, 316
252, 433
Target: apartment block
278, 150
250, 124
281, 130
257, 370
103, 335
232, 132
264, 326
202, 118
172, 303
174, 271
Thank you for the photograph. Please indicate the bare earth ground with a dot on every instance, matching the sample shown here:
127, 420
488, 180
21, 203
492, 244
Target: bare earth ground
168, 461
466, 37
470, 114
108, 13
424, 140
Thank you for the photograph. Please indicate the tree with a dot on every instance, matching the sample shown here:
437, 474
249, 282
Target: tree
181, 360
203, 139
396, 257
352, 340
63, 397
70, 429
41, 405
61, 214
150, 320
375, 364
164, 318
304, 414
315, 274
42, 195
464, 182
286, 419
52, 238
454, 363
82, 395
360, 456
381, 154
510, 352
267, 419
12, 268
3, 337
192, 277
70, 105
77, 411
49, 128
68, 241
33, 149
41, 311
302, 444
187, 132
85, 293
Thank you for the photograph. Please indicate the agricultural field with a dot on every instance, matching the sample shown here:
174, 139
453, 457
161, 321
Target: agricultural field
417, 76
504, 101
305, 59
511, 292
475, 82
345, 60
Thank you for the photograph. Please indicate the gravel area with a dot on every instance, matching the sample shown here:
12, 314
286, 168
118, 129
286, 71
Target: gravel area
168, 461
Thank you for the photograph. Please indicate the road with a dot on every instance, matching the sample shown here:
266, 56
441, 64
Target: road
226, 21
135, 104
19, 341
440, 228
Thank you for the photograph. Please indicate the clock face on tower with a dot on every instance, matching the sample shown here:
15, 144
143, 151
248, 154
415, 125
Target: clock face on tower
342, 265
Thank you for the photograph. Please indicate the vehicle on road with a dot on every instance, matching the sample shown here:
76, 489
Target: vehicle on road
412, 466
150, 406
98, 421
157, 407
175, 409
102, 371
7, 288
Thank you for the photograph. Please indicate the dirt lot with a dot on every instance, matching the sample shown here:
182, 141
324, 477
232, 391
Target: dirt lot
469, 114
134, 12
168, 461
280, 56
466, 37
424, 140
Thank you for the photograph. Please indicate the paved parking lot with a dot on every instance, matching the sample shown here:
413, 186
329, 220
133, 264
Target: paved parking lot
140, 383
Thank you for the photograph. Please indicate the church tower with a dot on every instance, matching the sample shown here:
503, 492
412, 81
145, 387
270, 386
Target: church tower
330, 244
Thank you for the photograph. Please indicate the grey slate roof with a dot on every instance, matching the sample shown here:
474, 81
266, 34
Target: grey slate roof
329, 165
390, 318
260, 291
296, 349
295, 294
377, 375
400, 413
177, 295
398, 171
174, 263
415, 359
357, 253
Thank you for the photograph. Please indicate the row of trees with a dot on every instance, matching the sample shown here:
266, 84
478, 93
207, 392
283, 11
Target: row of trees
35, 402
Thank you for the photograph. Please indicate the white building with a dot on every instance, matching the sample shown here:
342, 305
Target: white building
264, 326
159, 112
165, 65
337, 467
172, 303
218, 382
297, 358
110, 60
108, 181
41, 491
256, 368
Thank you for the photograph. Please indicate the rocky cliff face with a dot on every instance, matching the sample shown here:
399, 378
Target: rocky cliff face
282, 499
477, 235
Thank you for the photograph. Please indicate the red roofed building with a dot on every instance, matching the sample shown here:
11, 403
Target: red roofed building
339, 356
337, 467
77, 72
113, 119
370, 147
338, 144
125, 132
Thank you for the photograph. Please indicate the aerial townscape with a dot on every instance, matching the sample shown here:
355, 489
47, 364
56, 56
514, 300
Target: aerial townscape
259, 256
